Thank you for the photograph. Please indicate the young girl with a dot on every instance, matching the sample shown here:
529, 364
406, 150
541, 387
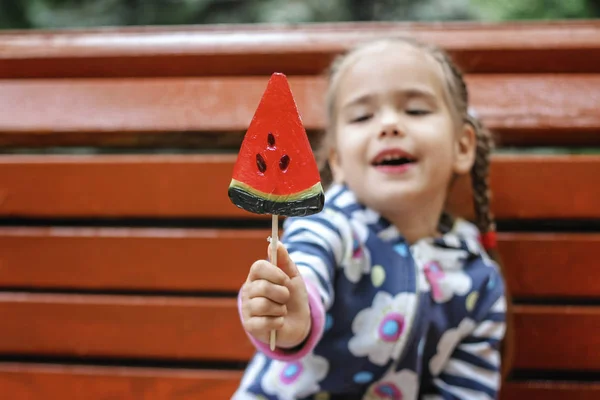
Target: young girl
383, 295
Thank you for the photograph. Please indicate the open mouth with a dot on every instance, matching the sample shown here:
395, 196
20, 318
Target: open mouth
393, 159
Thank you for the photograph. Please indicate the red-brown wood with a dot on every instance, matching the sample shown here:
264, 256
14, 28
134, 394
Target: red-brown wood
52, 382
243, 49
551, 265
129, 259
549, 390
122, 326
202, 260
532, 187
522, 109
557, 337
152, 186
196, 186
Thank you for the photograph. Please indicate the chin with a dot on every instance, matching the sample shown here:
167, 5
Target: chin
392, 199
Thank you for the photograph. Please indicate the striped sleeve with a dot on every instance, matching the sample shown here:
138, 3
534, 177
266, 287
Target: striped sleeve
473, 370
317, 245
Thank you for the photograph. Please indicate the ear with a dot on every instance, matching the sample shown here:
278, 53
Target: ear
336, 168
464, 149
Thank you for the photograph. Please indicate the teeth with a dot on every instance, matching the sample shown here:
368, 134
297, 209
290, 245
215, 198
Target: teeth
392, 157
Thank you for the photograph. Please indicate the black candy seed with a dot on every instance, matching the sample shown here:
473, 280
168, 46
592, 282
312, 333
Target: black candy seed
260, 163
284, 162
271, 140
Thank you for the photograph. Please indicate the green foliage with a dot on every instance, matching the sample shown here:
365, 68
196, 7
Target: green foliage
18, 14
536, 9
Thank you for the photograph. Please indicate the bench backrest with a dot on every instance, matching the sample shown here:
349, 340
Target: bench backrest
121, 255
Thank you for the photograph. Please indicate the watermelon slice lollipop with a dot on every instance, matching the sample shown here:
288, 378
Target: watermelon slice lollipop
276, 172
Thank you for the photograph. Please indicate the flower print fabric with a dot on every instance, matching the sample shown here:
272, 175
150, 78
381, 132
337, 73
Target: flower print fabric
295, 379
359, 262
442, 270
397, 321
401, 385
380, 330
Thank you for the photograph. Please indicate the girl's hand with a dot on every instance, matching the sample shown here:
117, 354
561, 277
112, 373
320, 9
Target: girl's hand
275, 298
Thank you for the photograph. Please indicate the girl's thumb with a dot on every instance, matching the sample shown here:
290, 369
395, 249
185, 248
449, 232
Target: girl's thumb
284, 262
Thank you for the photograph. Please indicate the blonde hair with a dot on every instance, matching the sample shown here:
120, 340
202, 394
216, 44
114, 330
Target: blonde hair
457, 97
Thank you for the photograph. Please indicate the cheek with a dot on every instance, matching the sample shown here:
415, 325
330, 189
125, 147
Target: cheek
436, 141
350, 147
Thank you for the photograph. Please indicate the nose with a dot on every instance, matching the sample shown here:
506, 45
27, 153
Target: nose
390, 125
389, 131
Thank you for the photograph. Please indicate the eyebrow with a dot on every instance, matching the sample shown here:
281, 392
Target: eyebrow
418, 92
357, 100
406, 93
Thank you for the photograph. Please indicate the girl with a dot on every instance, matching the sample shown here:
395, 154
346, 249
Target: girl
383, 295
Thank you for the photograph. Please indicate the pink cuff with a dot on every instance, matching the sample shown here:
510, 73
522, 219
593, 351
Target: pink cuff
317, 316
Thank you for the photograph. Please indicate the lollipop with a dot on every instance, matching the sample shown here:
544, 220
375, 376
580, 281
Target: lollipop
276, 172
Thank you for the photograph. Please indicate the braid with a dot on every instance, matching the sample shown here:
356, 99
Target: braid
484, 220
458, 90
480, 179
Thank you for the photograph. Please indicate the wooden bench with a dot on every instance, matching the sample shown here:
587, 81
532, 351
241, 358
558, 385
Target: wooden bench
121, 255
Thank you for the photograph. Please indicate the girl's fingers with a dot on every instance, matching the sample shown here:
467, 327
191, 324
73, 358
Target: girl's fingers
263, 288
265, 270
284, 262
261, 326
263, 307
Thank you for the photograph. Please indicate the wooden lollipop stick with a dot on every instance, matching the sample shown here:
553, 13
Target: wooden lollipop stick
274, 240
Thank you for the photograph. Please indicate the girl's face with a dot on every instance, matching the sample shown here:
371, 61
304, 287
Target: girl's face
397, 143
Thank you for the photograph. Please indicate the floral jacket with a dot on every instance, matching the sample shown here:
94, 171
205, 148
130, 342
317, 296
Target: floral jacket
389, 320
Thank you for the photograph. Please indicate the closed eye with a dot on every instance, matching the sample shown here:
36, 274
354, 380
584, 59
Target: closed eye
418, 112
362, 118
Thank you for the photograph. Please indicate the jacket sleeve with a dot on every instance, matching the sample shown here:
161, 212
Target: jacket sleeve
317, 246
472, 371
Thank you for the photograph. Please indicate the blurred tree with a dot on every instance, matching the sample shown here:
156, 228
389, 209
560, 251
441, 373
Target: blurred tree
90, 13
13, 14
536, 9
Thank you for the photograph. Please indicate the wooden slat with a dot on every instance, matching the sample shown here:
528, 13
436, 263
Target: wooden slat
168, 260
129, 259
51, 382
539, 47
54, 382
33, 382
557, 337
193, 328
153, 186
549, 390
196, 186
552, 265
537, 187
128, 326
522, 109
